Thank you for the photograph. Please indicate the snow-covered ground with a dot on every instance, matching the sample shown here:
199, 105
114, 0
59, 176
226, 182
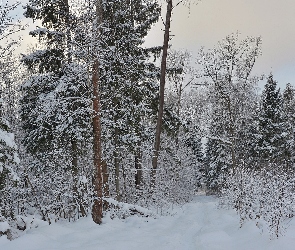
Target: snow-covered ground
198, 225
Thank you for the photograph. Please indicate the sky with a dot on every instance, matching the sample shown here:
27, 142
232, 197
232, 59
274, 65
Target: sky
206, 22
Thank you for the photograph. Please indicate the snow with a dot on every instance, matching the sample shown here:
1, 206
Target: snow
4, 226
196, 225
8, 138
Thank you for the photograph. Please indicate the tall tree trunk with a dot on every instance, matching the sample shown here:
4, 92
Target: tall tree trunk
161, 94
97, 162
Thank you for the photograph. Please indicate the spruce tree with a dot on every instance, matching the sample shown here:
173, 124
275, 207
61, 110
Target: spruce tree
289, 117
56, 104
128, 82
218, 161
271, 125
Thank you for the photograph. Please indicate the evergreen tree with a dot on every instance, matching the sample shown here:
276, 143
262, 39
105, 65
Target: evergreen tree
56, 104
218, 161
127, 82
272, 132
289, 117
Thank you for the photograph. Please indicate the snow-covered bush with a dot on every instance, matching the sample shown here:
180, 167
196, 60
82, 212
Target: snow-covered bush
266, 196
8, 176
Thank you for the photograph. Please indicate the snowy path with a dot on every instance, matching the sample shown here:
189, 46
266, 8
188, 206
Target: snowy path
198, 225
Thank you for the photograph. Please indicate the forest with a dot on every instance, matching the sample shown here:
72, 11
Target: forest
94, 123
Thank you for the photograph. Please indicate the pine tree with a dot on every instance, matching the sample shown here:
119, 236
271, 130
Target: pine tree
218, 161
272, 130
56, 104
127, 81
289, 117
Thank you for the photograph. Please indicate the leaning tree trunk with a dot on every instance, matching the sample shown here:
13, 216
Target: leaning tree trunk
161, 94
97, 207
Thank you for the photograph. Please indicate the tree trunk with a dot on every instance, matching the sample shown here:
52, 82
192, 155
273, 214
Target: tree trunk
97, 181
105, 177
161, 94
98, 178
232, 134
138, 167
117, 167
179, 93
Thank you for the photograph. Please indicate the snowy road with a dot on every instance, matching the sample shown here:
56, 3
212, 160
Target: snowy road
198, 225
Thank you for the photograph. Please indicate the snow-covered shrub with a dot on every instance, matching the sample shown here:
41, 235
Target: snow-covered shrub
8, 177
265, 196
48, 191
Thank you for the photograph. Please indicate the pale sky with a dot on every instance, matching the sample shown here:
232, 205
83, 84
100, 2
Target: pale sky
209, 21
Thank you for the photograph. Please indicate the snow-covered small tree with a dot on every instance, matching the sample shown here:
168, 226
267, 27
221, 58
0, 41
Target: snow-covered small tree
263, 195
8, 148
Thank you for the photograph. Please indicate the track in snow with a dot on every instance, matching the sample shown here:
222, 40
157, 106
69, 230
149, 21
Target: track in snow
198, 225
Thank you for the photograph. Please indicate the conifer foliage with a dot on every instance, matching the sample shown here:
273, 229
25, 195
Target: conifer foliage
55, 104
272, 125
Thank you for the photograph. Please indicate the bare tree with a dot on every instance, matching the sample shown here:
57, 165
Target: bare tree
8, 27
162, 90
227, 69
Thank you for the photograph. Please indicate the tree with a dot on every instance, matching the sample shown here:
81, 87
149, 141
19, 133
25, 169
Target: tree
8, 27
55, 105
126, 86
162, 92
272, 132
227, 69
127, 82
98, 179
289, 117
8, 150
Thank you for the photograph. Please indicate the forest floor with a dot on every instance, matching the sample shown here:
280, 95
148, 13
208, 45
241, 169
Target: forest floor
198, 225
